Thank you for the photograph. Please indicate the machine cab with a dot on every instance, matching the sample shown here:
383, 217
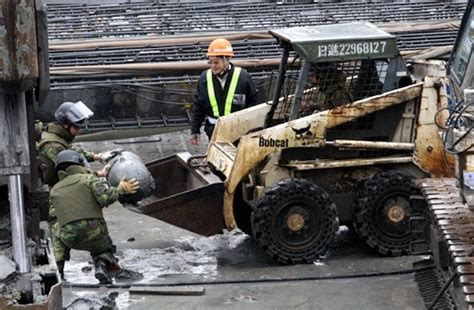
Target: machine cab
327, 66
461, 64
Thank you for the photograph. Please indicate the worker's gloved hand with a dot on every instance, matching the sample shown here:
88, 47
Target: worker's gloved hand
128, 187
195, 139
106, 156
104, 172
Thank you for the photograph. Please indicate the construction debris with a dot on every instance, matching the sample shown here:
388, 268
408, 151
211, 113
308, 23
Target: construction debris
7, 267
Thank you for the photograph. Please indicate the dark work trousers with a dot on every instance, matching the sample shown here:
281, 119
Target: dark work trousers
209, 128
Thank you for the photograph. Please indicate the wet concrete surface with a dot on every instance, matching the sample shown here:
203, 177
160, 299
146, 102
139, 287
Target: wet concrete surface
376, 293
232, 269
236, 273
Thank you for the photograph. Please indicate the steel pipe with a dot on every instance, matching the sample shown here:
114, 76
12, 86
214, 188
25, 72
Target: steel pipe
356, 144
17, 215
150, 18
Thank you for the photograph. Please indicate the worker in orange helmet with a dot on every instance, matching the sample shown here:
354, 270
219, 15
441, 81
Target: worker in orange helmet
221, 90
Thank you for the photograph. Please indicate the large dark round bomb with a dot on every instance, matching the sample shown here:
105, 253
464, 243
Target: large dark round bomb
129, 165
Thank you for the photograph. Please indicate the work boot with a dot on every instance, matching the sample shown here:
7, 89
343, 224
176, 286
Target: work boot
120, 274
113, 268
60, 265
102, 275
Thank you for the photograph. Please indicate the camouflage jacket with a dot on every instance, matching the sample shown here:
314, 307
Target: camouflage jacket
80, 195
53, 140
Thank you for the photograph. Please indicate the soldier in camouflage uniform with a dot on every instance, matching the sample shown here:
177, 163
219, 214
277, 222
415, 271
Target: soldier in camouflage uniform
328, 83
78, 199
57, 137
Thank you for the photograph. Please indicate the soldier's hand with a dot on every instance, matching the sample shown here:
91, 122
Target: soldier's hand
104, 172
195, 139
106, 156
128, 187
97, 157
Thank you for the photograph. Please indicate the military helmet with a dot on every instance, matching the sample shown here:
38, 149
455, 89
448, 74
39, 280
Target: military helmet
70, 157
73, 113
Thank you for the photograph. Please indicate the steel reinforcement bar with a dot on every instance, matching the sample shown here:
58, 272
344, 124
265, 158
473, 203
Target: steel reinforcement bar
78, 21
266, 48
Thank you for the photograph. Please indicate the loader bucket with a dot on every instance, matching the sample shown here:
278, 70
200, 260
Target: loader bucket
190, 198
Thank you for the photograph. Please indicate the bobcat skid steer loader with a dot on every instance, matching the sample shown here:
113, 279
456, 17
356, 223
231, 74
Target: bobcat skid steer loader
345, 134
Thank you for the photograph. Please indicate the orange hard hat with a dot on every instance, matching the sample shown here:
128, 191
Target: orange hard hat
220, 47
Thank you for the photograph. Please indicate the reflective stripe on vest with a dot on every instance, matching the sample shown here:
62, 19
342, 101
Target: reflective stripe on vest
230, 94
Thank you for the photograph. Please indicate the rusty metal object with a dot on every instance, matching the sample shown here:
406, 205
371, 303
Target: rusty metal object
429, 53
14, 157
295, 222
396, 214
429, 154
144, 68
18, 48
197, 161
154, 40
356, 144
356, 162
453, 223
186, 197
157, 40
42, 88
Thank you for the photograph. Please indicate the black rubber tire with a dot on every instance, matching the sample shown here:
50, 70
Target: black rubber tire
374, 198
242, 212
307, 201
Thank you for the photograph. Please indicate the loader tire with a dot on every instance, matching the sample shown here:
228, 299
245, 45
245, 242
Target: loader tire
295, 221
381, 213
242, 212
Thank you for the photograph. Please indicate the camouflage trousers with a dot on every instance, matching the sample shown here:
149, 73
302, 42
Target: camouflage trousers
60, 251
89, 235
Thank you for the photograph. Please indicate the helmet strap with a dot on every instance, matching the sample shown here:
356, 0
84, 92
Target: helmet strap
68, 128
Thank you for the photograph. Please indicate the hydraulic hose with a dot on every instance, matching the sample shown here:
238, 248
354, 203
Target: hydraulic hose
272, 280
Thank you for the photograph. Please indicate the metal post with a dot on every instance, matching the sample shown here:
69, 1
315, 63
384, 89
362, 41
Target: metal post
17, 213
278, 86
302, 80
